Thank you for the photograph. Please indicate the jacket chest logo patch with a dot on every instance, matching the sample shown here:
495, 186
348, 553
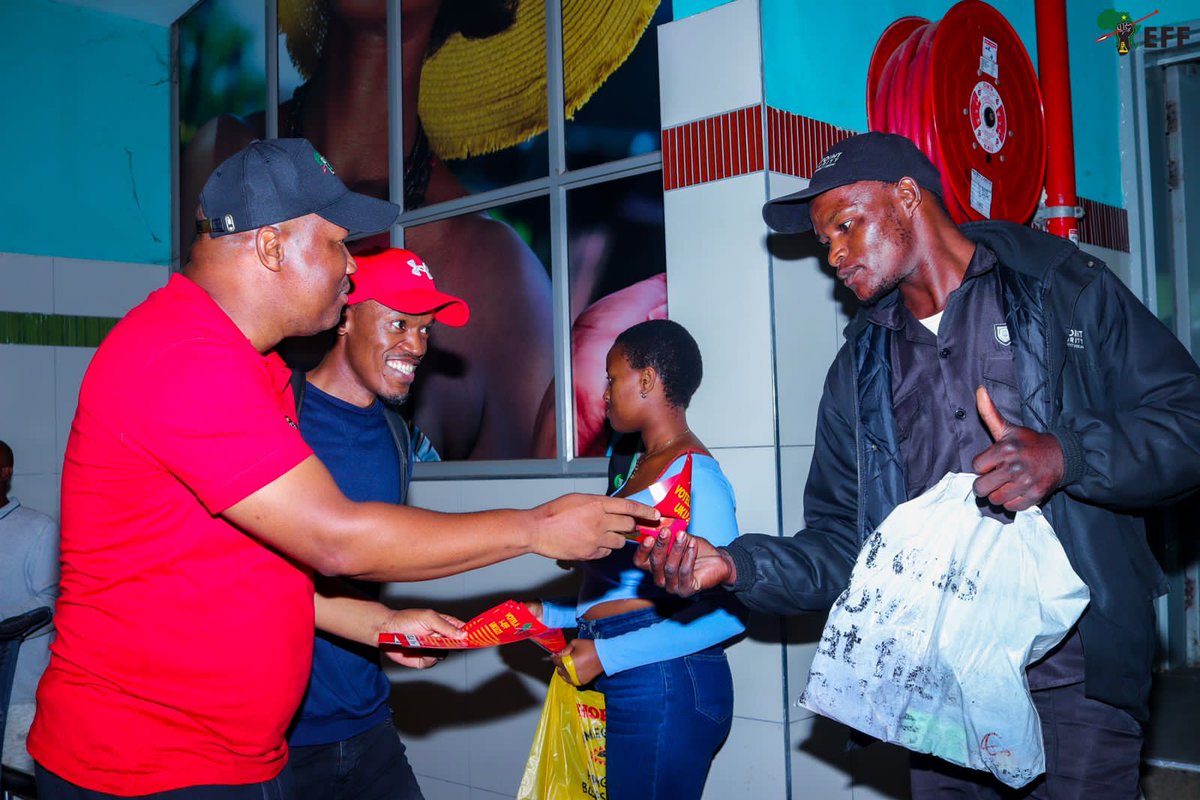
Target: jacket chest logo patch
1001, 332
1075, 338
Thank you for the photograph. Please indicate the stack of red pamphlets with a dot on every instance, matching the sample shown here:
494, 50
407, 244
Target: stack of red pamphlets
506, 623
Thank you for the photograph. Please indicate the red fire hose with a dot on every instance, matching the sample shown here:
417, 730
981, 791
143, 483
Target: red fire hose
964, 90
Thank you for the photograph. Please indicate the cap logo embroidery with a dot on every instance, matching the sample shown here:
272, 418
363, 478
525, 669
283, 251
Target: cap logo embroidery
418, 268
326, 167
229, 227
828, 161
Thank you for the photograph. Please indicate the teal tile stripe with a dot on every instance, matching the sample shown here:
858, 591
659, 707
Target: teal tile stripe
55, 330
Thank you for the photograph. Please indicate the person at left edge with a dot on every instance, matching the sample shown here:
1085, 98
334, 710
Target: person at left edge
343, 743
193, 513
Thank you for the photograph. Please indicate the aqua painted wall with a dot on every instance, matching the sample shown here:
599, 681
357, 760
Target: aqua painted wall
816, 55
86, 134
686, 8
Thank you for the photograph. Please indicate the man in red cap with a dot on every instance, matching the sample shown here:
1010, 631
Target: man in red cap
343, 741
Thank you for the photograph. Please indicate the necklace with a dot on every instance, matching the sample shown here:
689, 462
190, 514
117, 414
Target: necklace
417, 167
655, 451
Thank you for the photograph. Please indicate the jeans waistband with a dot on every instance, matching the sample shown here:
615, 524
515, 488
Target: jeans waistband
621, 623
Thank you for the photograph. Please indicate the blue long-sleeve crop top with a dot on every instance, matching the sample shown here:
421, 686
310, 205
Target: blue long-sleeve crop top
701, 624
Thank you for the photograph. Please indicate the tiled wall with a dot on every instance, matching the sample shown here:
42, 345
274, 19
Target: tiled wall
42, 365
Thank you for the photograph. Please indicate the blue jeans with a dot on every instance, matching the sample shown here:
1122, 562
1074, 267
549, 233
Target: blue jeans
52, 787
369, 766
665, 720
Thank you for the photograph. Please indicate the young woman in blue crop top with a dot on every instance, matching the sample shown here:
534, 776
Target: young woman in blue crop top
658, 660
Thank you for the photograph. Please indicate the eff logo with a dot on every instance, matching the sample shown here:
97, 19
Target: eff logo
1123, 26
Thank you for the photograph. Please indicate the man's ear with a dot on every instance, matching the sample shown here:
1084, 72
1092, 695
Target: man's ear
910, 195
6, 474
268, 245
343, 327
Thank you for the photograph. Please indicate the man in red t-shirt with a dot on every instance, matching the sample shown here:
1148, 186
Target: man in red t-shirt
191, 507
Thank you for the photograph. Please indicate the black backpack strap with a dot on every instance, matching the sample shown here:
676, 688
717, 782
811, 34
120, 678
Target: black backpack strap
404, 449
624, 447
299, 381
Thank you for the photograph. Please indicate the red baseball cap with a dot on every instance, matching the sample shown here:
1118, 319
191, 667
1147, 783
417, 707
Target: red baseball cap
400, 280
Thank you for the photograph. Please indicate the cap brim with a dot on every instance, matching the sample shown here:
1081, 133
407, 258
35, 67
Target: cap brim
446, 309
360, 214
789, 214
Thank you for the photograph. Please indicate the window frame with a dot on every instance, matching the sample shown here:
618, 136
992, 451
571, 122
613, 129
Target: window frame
558, 181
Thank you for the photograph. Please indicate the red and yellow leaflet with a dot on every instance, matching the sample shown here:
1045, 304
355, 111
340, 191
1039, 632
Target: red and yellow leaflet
506, 623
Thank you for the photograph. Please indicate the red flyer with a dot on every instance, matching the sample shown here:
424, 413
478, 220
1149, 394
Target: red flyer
673, 499
506, 623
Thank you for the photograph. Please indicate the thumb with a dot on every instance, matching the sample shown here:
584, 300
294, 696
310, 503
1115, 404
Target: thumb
997, 426
442, 624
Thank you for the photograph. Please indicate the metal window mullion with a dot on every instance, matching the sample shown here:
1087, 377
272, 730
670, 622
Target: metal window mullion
614, 170
482, 201
271, 35
395, 115
564, 417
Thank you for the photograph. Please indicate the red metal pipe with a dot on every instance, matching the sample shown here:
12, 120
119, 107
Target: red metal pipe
1054, 74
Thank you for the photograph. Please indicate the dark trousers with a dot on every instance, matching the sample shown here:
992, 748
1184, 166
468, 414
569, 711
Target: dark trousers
52, 787
1093, 752
369, 766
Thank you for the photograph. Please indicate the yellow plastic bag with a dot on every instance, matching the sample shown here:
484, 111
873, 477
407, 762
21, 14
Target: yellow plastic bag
567, 759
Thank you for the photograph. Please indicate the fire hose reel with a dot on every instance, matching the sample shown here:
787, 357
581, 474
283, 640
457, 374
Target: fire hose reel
963, 88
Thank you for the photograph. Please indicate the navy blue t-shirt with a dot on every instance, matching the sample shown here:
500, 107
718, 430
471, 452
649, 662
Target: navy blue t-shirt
348, 690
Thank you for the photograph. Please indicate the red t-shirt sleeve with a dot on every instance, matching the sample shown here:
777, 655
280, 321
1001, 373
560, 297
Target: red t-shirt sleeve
216, 416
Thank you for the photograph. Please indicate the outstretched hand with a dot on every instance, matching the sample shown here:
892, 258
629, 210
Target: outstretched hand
689, 565
581, 527
1021, 468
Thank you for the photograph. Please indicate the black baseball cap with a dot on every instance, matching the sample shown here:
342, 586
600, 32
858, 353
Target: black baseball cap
866, 157
271, 181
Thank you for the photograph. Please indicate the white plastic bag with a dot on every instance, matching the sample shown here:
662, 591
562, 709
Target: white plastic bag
928, 645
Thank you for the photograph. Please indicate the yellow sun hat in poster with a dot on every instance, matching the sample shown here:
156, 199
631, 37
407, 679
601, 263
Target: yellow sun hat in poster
483, 95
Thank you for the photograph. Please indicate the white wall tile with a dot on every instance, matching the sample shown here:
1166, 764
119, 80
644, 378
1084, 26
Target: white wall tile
1120, 262
27, 397
436, 495
750, 764
26, 283
751, 472
435, 789
70, 364
103, 288
820, 764
37, 491
718, 288
794, 464
710, 63
756, 663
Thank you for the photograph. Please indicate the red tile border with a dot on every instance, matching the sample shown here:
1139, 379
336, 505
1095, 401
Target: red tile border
731, 144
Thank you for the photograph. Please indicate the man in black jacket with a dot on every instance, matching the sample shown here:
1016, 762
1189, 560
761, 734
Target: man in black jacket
994, 349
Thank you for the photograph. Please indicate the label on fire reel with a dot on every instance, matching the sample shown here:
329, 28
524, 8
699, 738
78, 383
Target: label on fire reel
981, 194
987, 59
988, 118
